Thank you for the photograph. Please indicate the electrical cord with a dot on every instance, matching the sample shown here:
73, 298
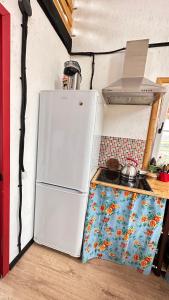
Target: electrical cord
26, 11
22, 119
97, 53
92, 54
152, 45
93, 69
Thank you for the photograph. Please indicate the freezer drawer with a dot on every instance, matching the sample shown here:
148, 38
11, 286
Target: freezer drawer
59, 218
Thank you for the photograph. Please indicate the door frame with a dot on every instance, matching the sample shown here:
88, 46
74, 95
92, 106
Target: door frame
153, 123
4, 138
161, 118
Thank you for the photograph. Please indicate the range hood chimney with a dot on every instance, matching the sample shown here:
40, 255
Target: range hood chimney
133, 88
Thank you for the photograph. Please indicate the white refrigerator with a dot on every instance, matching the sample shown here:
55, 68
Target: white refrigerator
70, 127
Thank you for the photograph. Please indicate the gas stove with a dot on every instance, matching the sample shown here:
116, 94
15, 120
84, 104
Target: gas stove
114, 177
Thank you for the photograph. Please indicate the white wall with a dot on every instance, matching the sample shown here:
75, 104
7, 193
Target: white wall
126, 122
107, 24
45, 58
107, 27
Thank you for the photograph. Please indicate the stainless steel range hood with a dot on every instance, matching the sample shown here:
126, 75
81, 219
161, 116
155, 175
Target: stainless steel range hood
133, 88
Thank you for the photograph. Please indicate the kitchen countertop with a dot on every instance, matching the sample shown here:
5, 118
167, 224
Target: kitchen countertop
159, 188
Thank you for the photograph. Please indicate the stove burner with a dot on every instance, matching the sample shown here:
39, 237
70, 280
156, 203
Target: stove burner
114, 177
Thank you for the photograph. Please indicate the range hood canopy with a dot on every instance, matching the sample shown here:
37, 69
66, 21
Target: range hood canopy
133, 88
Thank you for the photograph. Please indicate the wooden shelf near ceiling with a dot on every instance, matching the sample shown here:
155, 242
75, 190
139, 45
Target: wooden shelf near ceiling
65, 10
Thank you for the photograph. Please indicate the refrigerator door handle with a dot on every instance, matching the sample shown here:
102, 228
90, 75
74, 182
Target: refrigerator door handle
64, 188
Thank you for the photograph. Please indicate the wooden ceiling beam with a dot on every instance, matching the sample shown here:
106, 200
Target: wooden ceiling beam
58, 23
62, 14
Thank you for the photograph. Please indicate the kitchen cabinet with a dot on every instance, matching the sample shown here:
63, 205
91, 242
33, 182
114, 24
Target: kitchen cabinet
124, 225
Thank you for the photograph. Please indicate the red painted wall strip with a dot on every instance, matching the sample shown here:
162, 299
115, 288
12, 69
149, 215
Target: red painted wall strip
3, 10
5, 138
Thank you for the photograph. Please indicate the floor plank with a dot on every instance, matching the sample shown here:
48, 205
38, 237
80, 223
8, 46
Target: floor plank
49, 275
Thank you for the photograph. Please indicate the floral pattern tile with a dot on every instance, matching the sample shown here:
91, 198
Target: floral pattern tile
121, 148
123, 227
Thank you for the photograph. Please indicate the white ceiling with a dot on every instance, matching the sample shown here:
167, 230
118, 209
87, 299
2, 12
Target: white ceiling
108, 24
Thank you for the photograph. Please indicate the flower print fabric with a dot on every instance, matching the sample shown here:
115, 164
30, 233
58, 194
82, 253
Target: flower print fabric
122, 226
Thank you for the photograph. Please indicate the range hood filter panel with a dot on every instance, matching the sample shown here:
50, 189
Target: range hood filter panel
128, 100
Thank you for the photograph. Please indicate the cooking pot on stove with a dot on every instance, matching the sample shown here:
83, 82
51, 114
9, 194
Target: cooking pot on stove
129, 172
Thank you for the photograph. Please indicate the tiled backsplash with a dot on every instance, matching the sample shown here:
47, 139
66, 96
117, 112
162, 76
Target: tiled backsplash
121, 148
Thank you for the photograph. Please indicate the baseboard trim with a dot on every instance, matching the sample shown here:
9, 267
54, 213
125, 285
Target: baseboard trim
18, 257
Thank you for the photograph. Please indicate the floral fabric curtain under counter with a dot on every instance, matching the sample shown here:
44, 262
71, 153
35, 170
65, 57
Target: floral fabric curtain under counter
122, 226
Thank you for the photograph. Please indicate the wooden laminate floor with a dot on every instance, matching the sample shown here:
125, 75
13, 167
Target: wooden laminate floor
46, 274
